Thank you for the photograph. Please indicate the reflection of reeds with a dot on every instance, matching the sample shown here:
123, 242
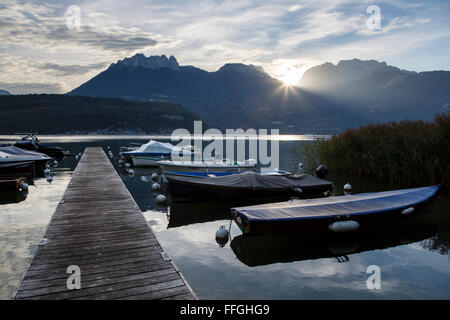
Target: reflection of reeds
408, 152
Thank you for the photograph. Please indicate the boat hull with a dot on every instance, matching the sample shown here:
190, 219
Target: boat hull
146, 161
18, 169
320, 223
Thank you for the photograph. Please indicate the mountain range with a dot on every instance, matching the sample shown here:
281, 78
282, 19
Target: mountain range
328, 99
4, 92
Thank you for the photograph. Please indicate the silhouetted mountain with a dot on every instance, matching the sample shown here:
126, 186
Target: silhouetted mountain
3, 92
237, 95
383, 92
62, 114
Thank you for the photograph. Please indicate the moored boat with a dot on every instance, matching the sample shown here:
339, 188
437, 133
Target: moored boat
332, 214
221, 173
245, 186
17, 169
12, 184
149, 153
10, 156
32, 143
206, 166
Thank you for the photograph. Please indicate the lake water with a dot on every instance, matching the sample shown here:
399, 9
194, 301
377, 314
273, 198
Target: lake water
412, 256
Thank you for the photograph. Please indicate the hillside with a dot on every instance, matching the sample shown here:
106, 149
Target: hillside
62, 114
383, 92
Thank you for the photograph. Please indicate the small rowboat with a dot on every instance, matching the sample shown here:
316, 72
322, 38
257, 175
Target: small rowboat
333, 214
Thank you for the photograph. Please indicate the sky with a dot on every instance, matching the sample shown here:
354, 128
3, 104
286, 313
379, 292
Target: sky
54, 46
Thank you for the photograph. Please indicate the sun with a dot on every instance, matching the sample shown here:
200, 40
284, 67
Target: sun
289, 74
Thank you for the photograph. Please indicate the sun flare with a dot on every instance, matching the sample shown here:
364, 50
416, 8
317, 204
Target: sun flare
290, 74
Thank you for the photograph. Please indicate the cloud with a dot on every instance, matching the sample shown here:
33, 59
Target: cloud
36, 45
70, 69
31, 87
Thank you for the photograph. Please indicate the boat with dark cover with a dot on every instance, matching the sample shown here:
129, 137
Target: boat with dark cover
32, 143
247, 185
332, 214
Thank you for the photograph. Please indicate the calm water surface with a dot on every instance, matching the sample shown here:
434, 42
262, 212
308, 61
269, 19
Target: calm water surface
412, 255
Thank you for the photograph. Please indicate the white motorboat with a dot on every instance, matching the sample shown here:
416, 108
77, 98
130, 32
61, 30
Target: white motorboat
149, 153
11, 154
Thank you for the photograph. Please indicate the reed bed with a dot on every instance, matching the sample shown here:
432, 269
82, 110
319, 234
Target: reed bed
408, 153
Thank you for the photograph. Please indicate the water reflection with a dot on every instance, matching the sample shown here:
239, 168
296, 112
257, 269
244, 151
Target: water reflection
7, 197
412, 254
263, 250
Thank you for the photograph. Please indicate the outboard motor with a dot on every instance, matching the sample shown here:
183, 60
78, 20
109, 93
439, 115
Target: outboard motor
321, 171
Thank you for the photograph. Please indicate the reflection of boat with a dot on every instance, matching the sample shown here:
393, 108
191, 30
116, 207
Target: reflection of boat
268, 249
8, 197
151, 152
339, 214
182, 214
32, 143
248, 185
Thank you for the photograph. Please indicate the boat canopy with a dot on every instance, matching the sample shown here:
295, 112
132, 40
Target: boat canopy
154, 147
332, 207
255, 181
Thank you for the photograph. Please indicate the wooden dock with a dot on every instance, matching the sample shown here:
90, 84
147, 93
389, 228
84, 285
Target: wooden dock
99, 228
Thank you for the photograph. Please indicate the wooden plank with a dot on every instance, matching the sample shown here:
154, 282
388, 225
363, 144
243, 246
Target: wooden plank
98, 227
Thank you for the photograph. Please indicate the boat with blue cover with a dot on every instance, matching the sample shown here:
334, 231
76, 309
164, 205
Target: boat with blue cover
332, 214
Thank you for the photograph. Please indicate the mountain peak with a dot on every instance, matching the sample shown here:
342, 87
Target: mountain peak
345, 71
4, 92
151, 62
241, 68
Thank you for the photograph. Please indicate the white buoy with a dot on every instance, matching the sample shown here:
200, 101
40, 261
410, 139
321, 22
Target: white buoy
161, 199
300, 165
347, 189
344, 226
131, 172
222, 236
55, 163
222, 232
47, 172
77, 157
49, 179
127, 165
24, 186
47, 166
154, 176
156, 187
